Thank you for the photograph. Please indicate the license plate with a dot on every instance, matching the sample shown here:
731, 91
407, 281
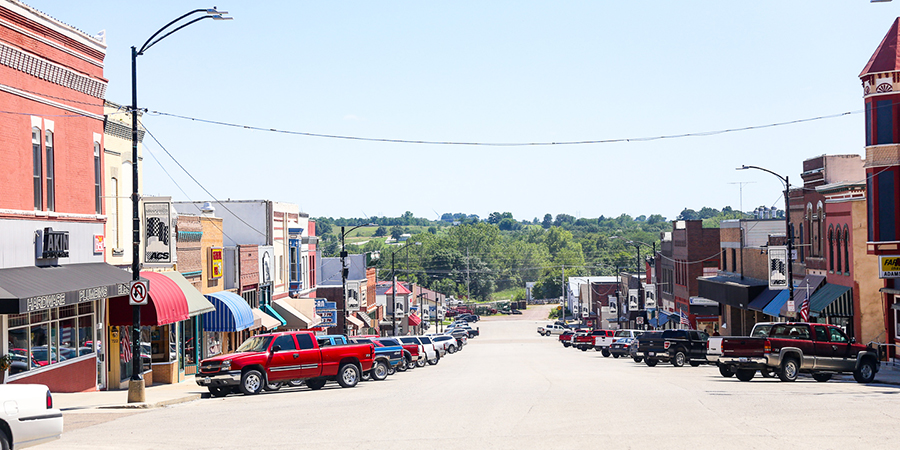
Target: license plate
651, 354
742, 359
207, 380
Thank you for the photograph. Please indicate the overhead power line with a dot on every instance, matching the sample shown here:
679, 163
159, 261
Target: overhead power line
502, 144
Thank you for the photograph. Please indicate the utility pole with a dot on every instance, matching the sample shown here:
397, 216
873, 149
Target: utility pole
468, 292
741, 189
563, 289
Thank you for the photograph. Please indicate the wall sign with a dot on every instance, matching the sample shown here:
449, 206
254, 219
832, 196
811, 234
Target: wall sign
889, 267
157, 232
51, 244
266, 264
216, 262
778, 268
99, 244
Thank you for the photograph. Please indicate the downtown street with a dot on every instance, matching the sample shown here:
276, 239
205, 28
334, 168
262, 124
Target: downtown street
512, 388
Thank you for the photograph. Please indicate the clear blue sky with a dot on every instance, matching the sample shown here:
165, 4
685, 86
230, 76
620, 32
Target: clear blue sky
499, 71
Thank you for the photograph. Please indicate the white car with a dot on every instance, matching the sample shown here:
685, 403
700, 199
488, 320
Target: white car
28, 415
448, 343
547, 330
431, 354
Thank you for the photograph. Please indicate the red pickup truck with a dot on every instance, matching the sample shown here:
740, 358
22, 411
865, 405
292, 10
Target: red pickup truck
266, 360
819, 349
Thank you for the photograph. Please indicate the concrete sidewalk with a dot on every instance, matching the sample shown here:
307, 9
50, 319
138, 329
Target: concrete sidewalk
156, 396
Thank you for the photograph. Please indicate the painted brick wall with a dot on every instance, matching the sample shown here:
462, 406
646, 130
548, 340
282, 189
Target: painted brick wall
212, 237
188, 249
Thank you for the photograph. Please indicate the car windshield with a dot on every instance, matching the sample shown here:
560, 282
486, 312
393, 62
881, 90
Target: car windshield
388, 342
623, 333
761, 330
255, 344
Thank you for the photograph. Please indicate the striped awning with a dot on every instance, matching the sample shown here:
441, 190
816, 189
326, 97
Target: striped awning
232, 313
365, 318
832, 300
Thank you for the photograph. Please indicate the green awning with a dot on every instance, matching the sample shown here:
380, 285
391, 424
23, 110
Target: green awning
832, 300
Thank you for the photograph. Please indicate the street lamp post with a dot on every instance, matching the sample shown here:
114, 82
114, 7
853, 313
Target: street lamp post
789, 229
394, 286
136, 384
344, 311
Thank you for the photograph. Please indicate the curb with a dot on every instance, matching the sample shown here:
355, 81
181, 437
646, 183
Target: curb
159, 404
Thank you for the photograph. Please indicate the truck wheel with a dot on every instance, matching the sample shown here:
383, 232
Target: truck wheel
726, 371
421, 362
650, 362
452, 349
218, 391
767, 373
391, 370
402, 366
745, 374
605, 352
315, 383
435, 360
637, 359
788, 370
273, 386
348, 376
379, 372
4, 441
865, 373
679, 358
821, 377
251, 382
695, 363
615, 355
584, 349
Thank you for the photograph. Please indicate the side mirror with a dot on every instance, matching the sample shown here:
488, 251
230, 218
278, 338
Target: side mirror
276, 348
853, 340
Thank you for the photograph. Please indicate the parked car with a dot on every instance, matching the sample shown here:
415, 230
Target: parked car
714, 348
602, 340
386, 358
621, 347
547, 330
407, 358
431, 353
641, 343
468, 317
415, 352
447, 342
266, 359
566, 337
28, 417
461, 336
586, 341
819, 349
676, 346
470, 332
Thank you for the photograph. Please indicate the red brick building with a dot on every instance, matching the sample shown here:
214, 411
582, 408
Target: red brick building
695, 251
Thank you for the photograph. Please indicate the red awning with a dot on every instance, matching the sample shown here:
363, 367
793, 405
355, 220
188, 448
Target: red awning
414, 321
167, 304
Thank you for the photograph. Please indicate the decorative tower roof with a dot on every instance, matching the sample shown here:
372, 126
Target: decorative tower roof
886, 58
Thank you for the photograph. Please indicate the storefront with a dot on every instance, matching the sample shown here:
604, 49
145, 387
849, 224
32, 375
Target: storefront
228, 325
168, 334
49, 319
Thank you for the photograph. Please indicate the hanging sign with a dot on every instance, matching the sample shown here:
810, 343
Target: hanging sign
157, 232
633, 299
649, 296
889, 267
216, 262
778, 268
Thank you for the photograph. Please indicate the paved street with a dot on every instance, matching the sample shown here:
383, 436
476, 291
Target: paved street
511, 388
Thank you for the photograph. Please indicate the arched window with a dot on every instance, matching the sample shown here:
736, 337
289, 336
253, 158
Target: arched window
846, 250
820, 220
839, 237
809, 229
51, 187
831, 249
801, 249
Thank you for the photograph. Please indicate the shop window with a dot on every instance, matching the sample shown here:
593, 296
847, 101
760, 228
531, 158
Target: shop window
98, 173
51, 189
38, 168
126, 353
50, 336
884, 124
886, 199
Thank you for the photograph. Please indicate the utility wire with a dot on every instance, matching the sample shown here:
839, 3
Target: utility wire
502, 144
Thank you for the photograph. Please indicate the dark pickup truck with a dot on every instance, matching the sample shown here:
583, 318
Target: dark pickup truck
819, 349
675, 346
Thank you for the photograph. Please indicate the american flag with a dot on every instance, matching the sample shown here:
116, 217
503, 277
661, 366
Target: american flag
684, 318
804, 308
126, 349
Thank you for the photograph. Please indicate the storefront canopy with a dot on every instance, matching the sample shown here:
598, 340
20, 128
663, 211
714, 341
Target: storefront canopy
167, 304
232, 313
356, 322
290, 310
808, 286
365, 318
197, 303
266, 321
768, 296
268, 309
24, 289
832, 300
774, 306
414, 320
730, 290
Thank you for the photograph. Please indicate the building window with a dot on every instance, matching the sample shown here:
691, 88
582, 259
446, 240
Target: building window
114, 213
884, 124
97, 181
886, 199
868, 123
733, 260
846, 250
51, 336
802, 249
831, 249
820, 222
724, 264
36, 161
51, 191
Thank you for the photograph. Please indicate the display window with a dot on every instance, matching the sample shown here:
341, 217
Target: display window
43, 338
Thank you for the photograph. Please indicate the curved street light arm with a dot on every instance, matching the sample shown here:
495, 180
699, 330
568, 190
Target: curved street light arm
146, 46
745, 167
151, 44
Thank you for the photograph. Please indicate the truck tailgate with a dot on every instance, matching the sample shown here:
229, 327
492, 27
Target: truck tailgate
743, 346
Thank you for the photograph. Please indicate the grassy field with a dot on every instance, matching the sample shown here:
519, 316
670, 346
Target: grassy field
367, 233
506, 294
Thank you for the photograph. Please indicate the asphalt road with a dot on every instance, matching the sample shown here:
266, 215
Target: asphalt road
513, 389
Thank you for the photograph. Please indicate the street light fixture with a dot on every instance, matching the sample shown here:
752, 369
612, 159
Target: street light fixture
343, 313
136, 391
789, 229
394, 281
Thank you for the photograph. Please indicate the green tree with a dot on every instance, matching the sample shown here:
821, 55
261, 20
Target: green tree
396, 232
494, 218
548, 221
381, 231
